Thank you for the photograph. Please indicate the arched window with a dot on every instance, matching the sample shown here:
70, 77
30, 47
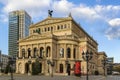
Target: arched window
29, 52
68, 53
58, 27
51, 28
74, 53
26, 67
48, 51
48, 28
45, 29
61, 26
23, 52
65, 26
35, 52
41, 51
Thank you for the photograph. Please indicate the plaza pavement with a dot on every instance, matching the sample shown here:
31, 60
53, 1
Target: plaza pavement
42, 77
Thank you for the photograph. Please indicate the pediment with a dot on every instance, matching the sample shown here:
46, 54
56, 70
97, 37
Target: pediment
29, 38
50, 20
35, 37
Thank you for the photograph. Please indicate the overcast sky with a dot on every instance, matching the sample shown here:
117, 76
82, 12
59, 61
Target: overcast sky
99, 18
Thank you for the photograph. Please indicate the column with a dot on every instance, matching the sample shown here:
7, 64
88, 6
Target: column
26, 51
32, 51
65, 51
16, 66
19, 55
72, 49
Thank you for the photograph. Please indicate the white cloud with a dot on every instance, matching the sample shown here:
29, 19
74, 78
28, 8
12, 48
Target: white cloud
114, 22
85, 12
38, 9
113, 33
26, 4
62, 6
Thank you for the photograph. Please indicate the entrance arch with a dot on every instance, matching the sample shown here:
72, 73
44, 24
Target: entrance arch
19, 68
40, 67
26, 68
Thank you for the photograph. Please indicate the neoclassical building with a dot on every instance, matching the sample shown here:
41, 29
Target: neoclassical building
102, 63
56, 43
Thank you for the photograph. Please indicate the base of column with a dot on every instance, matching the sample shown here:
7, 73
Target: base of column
29, 74
1, 74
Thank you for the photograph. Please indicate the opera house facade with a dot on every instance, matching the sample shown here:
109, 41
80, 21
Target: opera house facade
56, 43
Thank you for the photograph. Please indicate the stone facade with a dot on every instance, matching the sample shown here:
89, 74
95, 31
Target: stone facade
59, 41
3, 60
102, 69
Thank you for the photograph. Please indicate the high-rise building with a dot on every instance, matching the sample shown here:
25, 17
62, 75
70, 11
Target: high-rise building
19, 22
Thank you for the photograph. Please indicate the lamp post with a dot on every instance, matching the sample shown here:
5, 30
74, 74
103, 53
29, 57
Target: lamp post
52, 65
11, 62
104, 62
29, 62
87, 56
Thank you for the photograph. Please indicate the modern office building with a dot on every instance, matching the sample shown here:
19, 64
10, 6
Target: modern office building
57, 43
19, 22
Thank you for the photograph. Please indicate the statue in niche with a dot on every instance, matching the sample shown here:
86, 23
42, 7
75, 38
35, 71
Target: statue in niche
50, 13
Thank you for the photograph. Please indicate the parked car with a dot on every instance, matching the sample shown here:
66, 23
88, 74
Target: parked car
115, 73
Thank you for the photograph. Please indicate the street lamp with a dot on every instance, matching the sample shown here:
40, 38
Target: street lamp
11, 62
52, 65
87, 56
29, 62
104, 62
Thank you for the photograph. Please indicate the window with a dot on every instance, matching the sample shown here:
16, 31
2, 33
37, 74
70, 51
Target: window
74, 53
23, 52
48, 51
65, 26
48, 28
29, 52
61, 26
41, 52
68, 53
51, 28
35, 52
45, 29
58, 27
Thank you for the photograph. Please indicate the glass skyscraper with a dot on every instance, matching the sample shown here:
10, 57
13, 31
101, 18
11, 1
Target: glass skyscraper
19, 22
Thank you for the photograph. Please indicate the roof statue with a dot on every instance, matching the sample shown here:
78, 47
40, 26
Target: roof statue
70, 14
50, 13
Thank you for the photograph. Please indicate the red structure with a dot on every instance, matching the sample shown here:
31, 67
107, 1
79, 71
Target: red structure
77, 68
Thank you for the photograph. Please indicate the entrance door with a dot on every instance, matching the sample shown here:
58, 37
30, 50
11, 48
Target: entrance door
40, 67
61, 68
68, 69
26, 68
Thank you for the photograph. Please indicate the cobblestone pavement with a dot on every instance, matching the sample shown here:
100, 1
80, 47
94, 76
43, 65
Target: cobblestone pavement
41, 77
